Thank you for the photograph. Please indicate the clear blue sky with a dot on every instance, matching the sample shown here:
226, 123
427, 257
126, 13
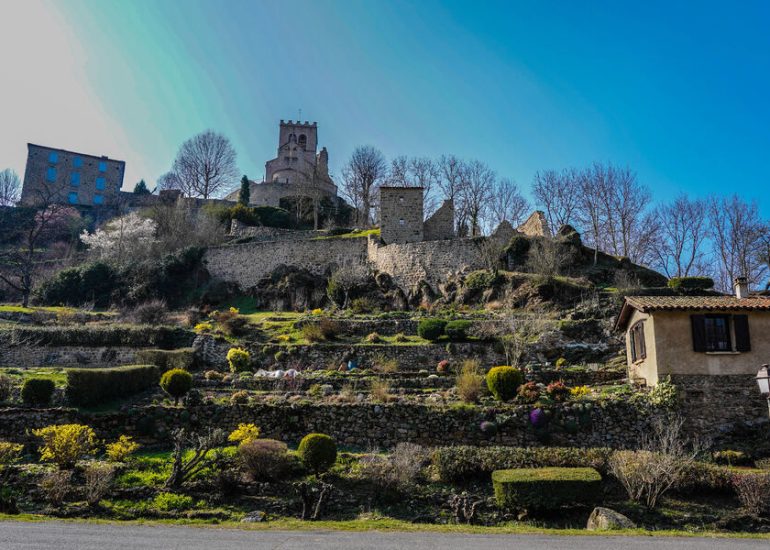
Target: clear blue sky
678, 91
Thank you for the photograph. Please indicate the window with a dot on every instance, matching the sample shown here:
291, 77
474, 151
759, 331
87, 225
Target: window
77, 162
75, 178
53, 157
50, 174
73, 198
102, 166
401, 221
98, 199
100, 183
302, 140
725, 333
638, 345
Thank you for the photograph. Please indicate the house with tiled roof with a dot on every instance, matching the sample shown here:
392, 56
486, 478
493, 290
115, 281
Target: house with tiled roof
695, 335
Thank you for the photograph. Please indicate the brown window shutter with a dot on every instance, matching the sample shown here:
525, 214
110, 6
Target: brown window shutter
642, 342
742, 338
698, 332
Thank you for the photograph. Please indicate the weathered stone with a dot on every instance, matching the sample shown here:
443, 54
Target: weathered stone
606, 519
254, 517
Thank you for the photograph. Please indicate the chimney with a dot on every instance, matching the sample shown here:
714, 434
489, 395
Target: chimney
741, 285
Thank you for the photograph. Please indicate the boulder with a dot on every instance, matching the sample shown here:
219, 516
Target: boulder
606, 519
254, 517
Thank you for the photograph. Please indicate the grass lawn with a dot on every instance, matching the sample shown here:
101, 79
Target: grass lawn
19, 375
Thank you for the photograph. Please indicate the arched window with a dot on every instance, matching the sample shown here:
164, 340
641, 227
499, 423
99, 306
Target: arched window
302, 140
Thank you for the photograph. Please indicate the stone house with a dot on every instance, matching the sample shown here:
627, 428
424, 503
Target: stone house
695, 335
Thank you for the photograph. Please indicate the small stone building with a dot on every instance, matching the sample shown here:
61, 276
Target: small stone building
695, 335
402, 214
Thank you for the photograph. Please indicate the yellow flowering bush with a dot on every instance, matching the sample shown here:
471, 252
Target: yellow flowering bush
579, 392
9, 453
244, 433
65, 444
205, 326
317, 311
119, 450
235, 310
238, 359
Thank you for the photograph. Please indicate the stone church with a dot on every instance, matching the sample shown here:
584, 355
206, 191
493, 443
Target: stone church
297, 170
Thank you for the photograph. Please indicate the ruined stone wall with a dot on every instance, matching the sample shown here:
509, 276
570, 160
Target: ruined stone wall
247, 264
536, 225
263, 233
401, 213
432, 261
441, 225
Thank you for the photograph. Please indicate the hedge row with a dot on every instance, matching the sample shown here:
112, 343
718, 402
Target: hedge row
168, 359
98, 336
87, 387
546, 488
465, 462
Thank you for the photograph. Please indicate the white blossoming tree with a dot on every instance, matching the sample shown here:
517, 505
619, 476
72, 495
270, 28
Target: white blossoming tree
121, 240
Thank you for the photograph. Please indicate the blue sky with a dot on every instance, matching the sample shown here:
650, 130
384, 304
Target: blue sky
678, 91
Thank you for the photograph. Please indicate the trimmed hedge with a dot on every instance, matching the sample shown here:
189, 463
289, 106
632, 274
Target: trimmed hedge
102, 336
457, 330
546, 488
37, 391
465, 462
86, 387
318, 452
691, 283
168, 359
503, 382
431, 329
176, 383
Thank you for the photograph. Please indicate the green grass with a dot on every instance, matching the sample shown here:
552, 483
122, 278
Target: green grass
19, 375
12, 308
352, 235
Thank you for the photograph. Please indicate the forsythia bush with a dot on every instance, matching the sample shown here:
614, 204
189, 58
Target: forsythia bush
9, 453
238, 359
205, 326
120, 449
244, 433
65, 444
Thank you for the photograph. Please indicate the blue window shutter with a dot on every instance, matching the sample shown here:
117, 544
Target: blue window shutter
53, 157
73, 198
75, 178
100, 183
98, 199
51, 174
102, 166
77, 162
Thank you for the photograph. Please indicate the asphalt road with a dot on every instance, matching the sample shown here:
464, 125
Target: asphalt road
84, 536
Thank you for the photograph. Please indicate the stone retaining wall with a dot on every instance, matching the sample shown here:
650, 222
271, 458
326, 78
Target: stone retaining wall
69, 356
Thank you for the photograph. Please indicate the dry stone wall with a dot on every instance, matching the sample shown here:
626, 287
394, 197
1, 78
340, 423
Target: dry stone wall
66, 356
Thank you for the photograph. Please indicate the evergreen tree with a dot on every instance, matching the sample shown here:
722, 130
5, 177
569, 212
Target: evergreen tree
244, 195
141, 188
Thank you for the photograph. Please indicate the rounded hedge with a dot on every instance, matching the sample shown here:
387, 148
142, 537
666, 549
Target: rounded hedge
176, 383
503, 382
37, 391
318, 452
431, 329
238, 359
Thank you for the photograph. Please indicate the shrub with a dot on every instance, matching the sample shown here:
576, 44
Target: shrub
399, 470
457, 330
329, 328
244, 433
579, 392
65, 444
213, 375
382, 363
176, 383
313, 333
362, 305
264, 459
431, 329
238, 359
691, 283
470, 382
239, 398
230, 321
753, 491
168, 359
203, 327
9, 453
763, 463
172, 502
6, 387
557, 391
560, 362
56, 486
37, 391
400, 338
545, 488
98, 482
120, 450
86, 387
479, 280
318, 452
373, 338
380, 391
529, 392
154, 312
443, 366
504, 381
459, 463
731, 458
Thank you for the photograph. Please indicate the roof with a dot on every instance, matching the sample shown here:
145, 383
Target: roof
647, 304
102, 157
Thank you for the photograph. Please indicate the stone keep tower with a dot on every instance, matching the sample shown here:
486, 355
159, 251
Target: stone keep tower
401, 212
297, 144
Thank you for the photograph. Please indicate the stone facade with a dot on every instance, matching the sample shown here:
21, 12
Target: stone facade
247, 264
79, 179
401, 214
536, 225
441, 225
261, 233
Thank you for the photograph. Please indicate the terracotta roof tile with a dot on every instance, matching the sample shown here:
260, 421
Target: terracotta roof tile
655, 303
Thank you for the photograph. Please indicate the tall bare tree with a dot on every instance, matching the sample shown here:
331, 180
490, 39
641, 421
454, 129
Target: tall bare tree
591, 185
557, 194
205, 165
478, 182
682, 232
507, 203
737, 236
362, 175
10, 187
416, 172
451, 183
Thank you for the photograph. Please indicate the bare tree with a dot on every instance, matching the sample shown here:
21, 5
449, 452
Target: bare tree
737, 237
205, 165
416, 172
361, 176
10, 187
557, 194
451, 183
192, 453
478, 182
682, 232
169, 181
507, 203
590, 214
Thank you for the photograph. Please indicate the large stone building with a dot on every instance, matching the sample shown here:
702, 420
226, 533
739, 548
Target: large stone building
79, 179
298, 169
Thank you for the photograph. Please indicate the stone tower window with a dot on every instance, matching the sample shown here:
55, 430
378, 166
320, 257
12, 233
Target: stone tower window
292, 138
401, 221
302, 140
